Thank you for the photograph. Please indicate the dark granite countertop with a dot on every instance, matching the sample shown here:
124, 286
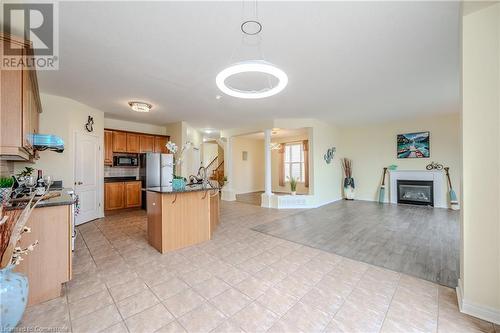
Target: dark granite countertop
188, 188
119, 179
64, 199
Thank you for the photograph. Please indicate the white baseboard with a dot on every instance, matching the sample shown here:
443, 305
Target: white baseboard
326, 202
480, 311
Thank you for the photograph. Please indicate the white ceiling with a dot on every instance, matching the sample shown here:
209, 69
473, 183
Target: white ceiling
347, 62
280, 133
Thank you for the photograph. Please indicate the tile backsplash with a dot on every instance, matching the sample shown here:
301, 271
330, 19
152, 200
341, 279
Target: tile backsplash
6, 168
120, 172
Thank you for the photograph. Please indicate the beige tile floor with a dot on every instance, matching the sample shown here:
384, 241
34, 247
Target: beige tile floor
241, 281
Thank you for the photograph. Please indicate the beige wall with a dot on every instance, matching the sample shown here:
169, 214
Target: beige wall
180, 133
275, 165
134, 127
326, 178
64, 117
210, 151
480, 260
248, 176
373, 147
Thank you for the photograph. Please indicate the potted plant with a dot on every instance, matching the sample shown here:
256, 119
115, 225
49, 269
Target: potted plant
293, 185
349, 188
27, 171
14, 291
5, 188
178, 182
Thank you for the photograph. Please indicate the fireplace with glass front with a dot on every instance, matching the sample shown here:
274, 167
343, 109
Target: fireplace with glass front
415, 192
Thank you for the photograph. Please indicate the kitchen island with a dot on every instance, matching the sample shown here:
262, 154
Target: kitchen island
181, 218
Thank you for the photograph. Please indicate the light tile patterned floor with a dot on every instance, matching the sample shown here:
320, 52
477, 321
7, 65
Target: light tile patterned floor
241, 281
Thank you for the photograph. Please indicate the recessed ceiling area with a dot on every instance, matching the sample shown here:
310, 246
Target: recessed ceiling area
347, 62
278, 133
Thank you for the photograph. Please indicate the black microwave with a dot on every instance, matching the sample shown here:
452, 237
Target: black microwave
125, 161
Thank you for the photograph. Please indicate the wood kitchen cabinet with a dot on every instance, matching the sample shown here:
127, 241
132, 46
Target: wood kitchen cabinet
133, 197
119, 142
114, 196
160, 144
49, 266
146, 143
120, 195
132, 143
108, 148
19, 106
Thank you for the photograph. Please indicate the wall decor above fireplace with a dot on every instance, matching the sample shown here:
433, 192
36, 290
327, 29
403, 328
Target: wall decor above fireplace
413, 145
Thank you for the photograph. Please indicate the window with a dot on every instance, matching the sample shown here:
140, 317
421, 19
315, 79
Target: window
294, 162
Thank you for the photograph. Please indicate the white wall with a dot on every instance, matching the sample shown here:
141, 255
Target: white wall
210, 151
479, 285
180, 133
275, 165
373, 147
64, 117
248, 176
134, 126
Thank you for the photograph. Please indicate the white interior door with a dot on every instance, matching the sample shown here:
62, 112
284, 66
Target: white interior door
87, 159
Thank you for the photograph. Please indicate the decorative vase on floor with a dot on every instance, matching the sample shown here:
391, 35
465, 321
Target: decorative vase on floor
349, 188
13, 298
294, 192
178, 184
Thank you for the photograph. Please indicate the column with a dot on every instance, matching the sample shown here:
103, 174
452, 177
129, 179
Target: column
227, 191
267, 151
266, 199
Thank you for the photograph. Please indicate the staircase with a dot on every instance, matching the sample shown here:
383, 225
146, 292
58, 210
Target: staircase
215, 170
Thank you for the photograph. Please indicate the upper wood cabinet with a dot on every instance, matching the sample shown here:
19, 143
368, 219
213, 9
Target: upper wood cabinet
19, 106
119, 142
146, 143
160, 144
108, 148
132, 143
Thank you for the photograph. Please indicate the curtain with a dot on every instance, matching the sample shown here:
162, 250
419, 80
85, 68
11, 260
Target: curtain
281, 174
305, 147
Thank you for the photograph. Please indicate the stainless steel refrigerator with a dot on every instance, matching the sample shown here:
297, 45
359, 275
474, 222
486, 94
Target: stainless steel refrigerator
155, 170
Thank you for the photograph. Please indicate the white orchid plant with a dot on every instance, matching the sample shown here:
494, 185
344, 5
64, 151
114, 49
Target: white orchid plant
178, 155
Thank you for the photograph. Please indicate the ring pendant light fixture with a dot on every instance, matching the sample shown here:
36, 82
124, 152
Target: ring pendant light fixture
251, 28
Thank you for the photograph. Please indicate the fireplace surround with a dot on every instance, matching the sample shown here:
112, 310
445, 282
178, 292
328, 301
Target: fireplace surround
435, 176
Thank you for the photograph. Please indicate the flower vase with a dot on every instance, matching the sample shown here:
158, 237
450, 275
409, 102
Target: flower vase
349, 188
178, 184
294, 192
13, 298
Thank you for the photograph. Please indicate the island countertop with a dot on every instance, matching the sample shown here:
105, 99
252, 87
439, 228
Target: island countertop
188, 188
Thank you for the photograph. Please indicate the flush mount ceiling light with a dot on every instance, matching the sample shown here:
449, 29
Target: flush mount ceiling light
249, 66
251, 29
140, 106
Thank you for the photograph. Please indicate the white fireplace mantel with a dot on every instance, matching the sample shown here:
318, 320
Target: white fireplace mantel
436, 176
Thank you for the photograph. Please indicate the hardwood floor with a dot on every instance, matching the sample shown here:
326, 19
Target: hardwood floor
252, 198
418, 241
